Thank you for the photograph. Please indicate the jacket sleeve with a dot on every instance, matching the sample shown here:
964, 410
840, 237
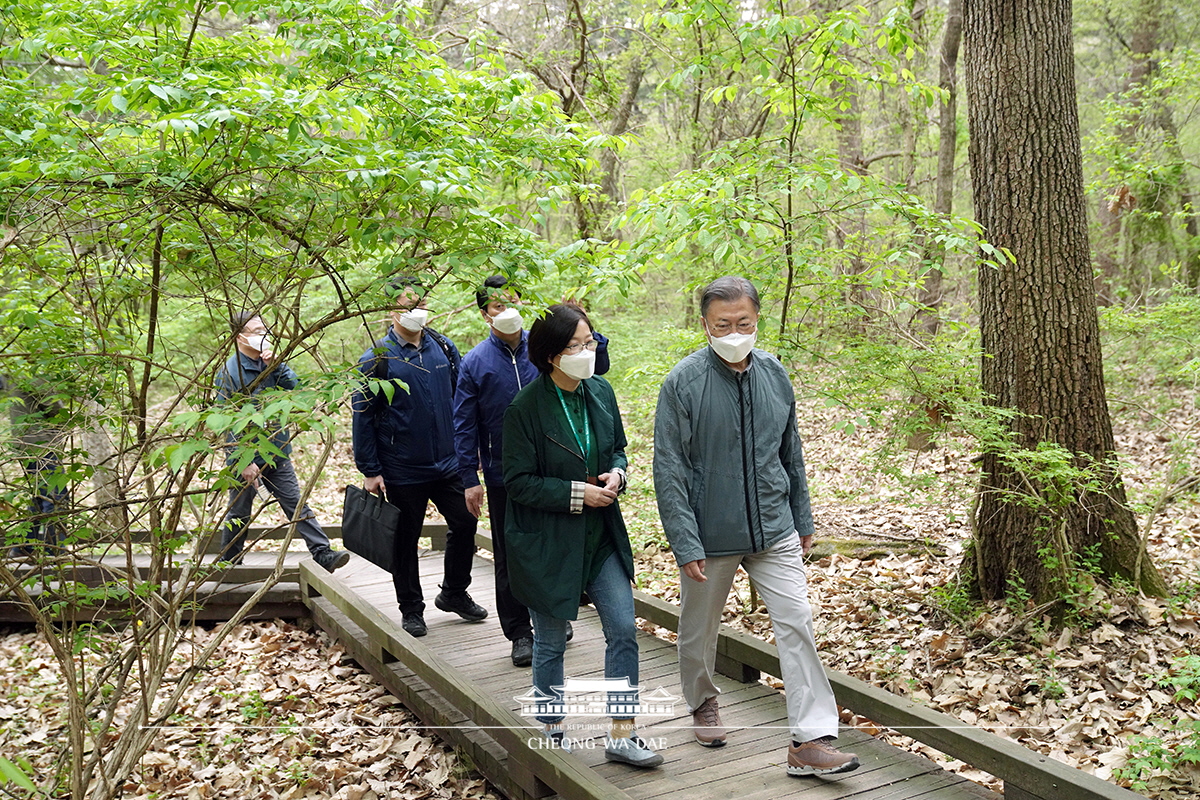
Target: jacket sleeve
791, 453
602, 362
466, 427
226, 389
285, 377
522, 473
672, 473
620, 460
364, 421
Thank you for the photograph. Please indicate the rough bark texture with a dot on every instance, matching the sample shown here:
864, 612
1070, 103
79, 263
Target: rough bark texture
1040, 331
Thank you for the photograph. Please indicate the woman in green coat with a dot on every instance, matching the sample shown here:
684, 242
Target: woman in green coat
564, 465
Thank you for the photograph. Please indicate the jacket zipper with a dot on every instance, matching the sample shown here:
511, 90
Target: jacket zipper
745, 467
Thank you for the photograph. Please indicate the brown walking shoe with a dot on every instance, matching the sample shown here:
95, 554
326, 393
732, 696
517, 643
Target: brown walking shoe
706, 723
818, 758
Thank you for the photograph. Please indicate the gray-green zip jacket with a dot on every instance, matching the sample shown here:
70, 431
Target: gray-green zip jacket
728, 464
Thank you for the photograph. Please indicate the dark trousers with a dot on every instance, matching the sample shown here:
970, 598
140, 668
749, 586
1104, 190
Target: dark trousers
412, 499
514, 616
47, 500
281, 482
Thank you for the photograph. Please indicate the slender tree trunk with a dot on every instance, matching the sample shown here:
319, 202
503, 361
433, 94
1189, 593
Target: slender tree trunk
943, 201
1040, 332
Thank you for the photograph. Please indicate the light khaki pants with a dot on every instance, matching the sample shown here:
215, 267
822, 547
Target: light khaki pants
778, 575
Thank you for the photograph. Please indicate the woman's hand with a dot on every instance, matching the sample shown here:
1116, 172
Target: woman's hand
598, 496
611, 480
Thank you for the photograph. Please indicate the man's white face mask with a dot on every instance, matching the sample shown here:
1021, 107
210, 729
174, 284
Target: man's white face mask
732, 347
508, 321
414, 320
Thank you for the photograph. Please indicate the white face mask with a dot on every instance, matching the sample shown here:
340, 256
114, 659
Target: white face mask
580, 366
258, 341
508, 321
413, 321
733, 347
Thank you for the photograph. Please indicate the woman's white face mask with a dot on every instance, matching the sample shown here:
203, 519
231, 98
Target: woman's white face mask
579, 366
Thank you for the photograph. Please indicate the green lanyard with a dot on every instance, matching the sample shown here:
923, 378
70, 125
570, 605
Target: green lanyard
585, 444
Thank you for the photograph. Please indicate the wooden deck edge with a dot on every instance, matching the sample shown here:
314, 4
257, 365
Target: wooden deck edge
216, 602
1033, 775
564, 775
481, 750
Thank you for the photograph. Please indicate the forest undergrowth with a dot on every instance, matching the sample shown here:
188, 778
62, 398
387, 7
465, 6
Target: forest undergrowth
284, 713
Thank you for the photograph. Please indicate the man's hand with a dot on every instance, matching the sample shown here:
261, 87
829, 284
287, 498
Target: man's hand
250, 474
806, 544
612, 480
374, 485
598, 496
474, 497
694, 570
267, 355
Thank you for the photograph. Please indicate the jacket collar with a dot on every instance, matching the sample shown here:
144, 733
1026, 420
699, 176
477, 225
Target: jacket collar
503, 348
728, 372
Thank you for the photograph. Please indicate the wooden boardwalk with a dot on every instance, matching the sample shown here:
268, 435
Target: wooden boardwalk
750, 766
459, 681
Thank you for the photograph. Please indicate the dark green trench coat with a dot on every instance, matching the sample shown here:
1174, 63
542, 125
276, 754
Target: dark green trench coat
543, 539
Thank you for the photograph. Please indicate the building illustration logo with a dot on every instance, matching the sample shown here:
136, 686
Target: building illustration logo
607, 697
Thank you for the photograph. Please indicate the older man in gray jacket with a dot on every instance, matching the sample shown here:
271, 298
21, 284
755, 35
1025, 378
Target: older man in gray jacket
729, 478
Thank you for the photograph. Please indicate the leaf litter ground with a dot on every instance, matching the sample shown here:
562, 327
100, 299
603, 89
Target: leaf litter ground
285, 714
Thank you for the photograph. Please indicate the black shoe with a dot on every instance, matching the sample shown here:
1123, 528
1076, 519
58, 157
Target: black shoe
522, 652
570, 631
461, 604
331, 559
413, 623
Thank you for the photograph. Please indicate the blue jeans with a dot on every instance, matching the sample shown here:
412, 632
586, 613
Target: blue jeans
613, 597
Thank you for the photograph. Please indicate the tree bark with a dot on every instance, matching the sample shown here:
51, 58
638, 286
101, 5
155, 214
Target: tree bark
1040, 332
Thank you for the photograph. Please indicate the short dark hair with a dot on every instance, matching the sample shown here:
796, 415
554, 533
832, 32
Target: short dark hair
241, 319
550, 334
483, 296
728, 288
398, 284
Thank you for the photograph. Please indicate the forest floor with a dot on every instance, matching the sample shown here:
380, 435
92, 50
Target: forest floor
1114, 693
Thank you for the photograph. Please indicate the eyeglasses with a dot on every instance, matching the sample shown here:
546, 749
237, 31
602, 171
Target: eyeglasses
725, 328
572, 349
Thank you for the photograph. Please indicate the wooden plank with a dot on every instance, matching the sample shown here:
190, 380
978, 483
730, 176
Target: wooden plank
1039, 777
489, 757
570, 779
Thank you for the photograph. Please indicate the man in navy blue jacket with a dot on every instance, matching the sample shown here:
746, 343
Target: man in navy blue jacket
405, 449
491, 375
250, 370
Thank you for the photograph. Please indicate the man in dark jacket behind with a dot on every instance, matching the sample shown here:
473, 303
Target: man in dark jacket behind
39, 434
490, 377
252, 369
731, 490
405, 448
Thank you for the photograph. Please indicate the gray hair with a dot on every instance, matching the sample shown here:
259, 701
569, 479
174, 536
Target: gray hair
729, 289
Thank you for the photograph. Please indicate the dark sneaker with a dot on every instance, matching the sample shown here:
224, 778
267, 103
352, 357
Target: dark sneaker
332, 559
461, 604
706, 724
818, 758
413, 623
570, 631
631, 751
522, 652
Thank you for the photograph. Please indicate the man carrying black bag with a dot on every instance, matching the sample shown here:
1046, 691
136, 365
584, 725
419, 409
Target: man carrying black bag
404, 446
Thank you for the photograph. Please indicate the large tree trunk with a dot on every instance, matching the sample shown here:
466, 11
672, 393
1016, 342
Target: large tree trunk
1038, 316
